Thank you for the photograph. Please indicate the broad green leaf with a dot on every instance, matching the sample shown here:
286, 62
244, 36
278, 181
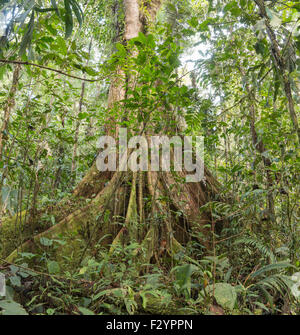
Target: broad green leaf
3, 69
225, 294
275, 21
15, 281
53, 267
193, 22
83, 270
10, 307
62, 45
68, 19
121, 49
78, 12
46, 242
183, 276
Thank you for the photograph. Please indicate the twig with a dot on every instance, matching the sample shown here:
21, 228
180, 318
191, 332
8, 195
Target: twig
228, 238
7, 61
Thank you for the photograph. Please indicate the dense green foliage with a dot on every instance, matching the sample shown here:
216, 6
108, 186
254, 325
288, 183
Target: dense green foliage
216, 64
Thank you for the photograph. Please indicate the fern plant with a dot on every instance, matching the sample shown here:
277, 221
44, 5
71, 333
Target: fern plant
267, 282
257, 245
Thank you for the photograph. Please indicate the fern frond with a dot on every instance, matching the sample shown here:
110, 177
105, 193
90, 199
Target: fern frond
270, 267
258, 245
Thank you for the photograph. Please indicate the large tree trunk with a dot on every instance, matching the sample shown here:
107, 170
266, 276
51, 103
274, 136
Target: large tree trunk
122, 194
